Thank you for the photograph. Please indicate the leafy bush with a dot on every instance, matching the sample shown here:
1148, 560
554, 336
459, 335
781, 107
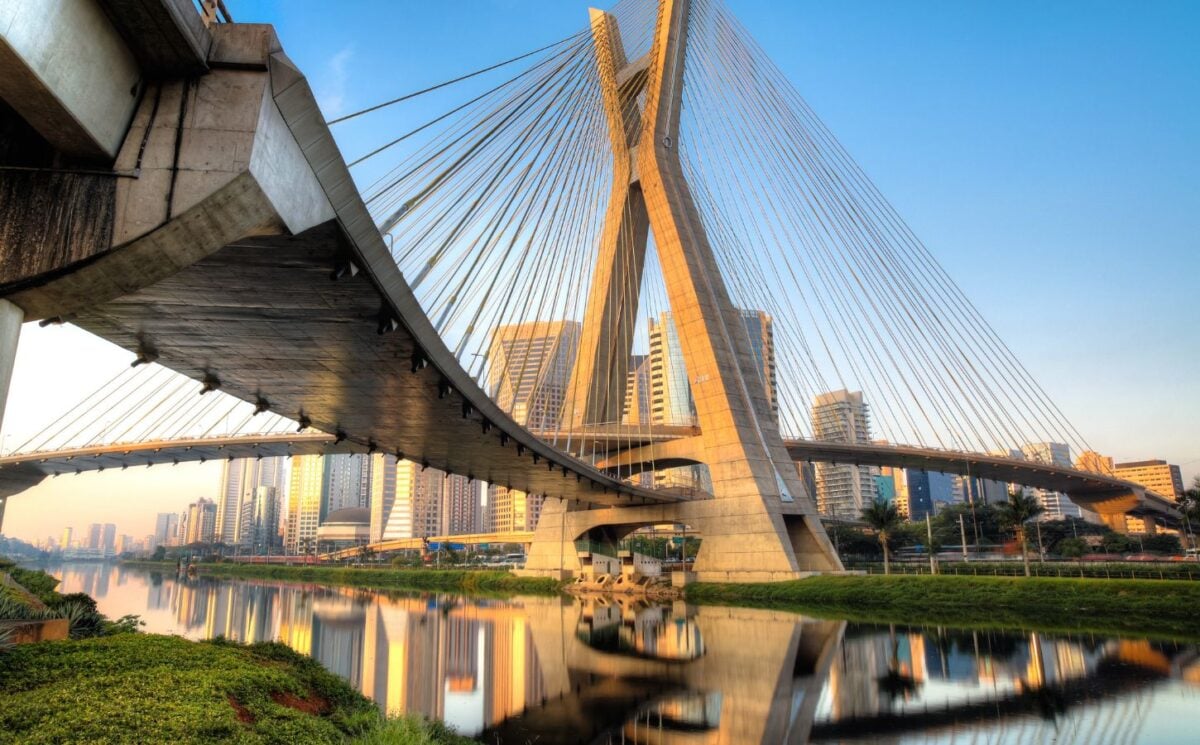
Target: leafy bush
150, 688
36, 581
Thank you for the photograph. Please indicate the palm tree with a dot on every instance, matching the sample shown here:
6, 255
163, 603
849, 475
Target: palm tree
1018, 510
883, 518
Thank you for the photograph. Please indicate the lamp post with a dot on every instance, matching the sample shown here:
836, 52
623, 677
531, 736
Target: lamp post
962, 530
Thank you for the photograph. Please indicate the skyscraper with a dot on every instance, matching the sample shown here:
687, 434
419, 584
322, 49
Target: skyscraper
166, 525
460, 506
512, 510
670, 393
348, 481
201, 522
260, 526
67, 535
1158, 476
94, 535
1056, 504
306, 490
843, 490
1090, 460
671, 400
413, 502
637, 391
529, 369
240, 480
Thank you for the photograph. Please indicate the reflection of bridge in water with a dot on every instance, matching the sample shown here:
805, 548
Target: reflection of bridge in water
665, 674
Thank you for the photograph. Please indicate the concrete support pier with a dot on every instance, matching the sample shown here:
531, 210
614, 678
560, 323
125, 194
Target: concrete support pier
10, 332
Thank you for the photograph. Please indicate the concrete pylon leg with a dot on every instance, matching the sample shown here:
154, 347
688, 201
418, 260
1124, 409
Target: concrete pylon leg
761, 524
1115, 521
596, 391
10, 332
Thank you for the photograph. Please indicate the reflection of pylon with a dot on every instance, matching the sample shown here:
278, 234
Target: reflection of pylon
773, 527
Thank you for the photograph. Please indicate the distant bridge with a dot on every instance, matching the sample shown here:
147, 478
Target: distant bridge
1106, 495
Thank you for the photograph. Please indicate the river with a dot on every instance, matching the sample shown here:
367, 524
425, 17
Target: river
551, 670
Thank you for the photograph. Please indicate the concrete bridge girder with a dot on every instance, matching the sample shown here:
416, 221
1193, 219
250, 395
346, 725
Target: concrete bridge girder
217, 164
738, 538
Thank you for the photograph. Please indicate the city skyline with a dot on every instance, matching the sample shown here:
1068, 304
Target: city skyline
1155, 402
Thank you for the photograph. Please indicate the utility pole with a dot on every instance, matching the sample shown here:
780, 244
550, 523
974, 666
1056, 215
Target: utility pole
932, 557
962, 530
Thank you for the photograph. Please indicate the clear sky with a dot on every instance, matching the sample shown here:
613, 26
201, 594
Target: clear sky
1047, 153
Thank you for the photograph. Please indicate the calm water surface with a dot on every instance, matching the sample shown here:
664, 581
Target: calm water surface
541, 670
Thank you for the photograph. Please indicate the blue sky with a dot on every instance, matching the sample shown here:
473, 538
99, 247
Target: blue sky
1047, 153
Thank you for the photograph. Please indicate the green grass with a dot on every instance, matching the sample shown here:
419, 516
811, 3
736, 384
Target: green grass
1180, 570
449, 580
1147, 608
148, 688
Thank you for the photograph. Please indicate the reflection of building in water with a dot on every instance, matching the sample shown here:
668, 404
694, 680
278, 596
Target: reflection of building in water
462, 653
513, 682
338, 626
853, 679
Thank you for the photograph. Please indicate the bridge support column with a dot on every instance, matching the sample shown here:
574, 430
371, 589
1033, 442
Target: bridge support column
739, 540
10, 331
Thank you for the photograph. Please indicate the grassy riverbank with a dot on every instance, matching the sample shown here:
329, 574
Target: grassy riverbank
1122, 607
149, 688
447, 580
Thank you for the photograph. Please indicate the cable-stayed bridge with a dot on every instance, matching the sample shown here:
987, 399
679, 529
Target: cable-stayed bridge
634, 248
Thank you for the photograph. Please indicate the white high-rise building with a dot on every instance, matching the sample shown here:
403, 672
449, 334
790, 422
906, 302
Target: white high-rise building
842, 490
408, 501
529, 369
1056, 504
241, 479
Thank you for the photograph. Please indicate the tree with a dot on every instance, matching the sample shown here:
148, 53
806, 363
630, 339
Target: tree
160, 553
1162, 543
1018, 510
1071, 548
883, 517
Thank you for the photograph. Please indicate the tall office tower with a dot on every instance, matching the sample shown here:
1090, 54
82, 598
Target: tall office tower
347, 481
460, 506
407, 501
842, 490
237, 484
918, 494
260, 524
1090, 460
529, 369
306, 490
240, 480
93, 535
637, 391
974, 490
513, 510
181, 529
67, 535
108, 538
762, 345
165, 527
383, 493
1056, 504
1158, 476
671, 394
201, 521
